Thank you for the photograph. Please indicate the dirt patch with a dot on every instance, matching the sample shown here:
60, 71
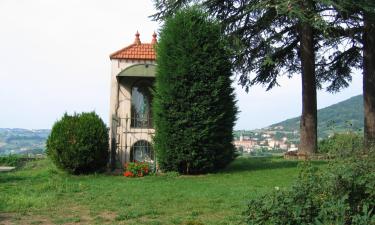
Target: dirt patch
72, 216
110, 216
18, 219
5, 218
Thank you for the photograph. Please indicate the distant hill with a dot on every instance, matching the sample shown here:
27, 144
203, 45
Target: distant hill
22, 141
342, 116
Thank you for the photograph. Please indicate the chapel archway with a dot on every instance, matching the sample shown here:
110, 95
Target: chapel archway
141, 99
142, 151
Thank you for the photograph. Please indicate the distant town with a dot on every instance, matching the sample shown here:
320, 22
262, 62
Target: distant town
274, 139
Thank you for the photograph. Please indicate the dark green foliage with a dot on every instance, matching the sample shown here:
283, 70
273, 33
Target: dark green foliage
341, 144
194, 106
266, 37
79, 143
274, 38
10, 160
343, 193
354, 24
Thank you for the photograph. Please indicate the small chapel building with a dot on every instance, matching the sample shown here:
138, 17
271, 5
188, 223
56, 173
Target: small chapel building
131, 125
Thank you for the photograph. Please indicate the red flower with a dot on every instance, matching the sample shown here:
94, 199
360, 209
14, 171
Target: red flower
136, 169
128, 174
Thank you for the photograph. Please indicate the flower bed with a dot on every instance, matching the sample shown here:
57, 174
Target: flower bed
136, 169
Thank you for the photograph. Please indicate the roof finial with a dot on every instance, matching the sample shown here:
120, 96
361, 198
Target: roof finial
154, 40
137, 40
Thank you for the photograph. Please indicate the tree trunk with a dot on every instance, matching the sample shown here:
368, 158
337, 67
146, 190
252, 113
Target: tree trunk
369, 78
308, 125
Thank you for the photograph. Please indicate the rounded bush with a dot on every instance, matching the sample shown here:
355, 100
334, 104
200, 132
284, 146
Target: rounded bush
79, 143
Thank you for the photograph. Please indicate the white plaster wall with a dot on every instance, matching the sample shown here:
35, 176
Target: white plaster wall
120, 107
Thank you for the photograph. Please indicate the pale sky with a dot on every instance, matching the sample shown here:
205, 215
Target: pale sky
54, 58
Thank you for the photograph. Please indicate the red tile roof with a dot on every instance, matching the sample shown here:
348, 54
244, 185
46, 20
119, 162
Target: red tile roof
137, 50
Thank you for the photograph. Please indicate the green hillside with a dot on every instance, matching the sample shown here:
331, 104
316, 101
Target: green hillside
22, 141
343, 116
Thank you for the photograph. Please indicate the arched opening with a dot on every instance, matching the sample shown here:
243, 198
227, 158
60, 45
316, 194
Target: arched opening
139, 70
141, 115
142, 151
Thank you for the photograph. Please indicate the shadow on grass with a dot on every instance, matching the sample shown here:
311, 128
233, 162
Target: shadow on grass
6, 178
262, 163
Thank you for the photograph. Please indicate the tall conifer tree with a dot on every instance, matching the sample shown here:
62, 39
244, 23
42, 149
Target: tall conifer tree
353, 23
194, 106
272, 38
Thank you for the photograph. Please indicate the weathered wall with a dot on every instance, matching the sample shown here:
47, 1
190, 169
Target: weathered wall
121, 134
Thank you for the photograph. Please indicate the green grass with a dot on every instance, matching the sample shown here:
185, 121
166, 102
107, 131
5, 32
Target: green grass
39, 193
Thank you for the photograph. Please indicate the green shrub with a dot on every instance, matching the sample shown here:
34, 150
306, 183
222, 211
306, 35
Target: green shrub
343, 193
194, 107
341, 144
79, 143
10, 160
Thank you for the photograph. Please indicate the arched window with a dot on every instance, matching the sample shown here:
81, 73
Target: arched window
142, 151
141, 115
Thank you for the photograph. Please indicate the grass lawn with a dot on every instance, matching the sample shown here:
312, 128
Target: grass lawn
38, 193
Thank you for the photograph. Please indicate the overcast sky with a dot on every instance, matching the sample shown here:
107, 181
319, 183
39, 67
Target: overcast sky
54, 58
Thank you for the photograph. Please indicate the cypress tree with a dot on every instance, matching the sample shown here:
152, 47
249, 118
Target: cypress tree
194, 104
